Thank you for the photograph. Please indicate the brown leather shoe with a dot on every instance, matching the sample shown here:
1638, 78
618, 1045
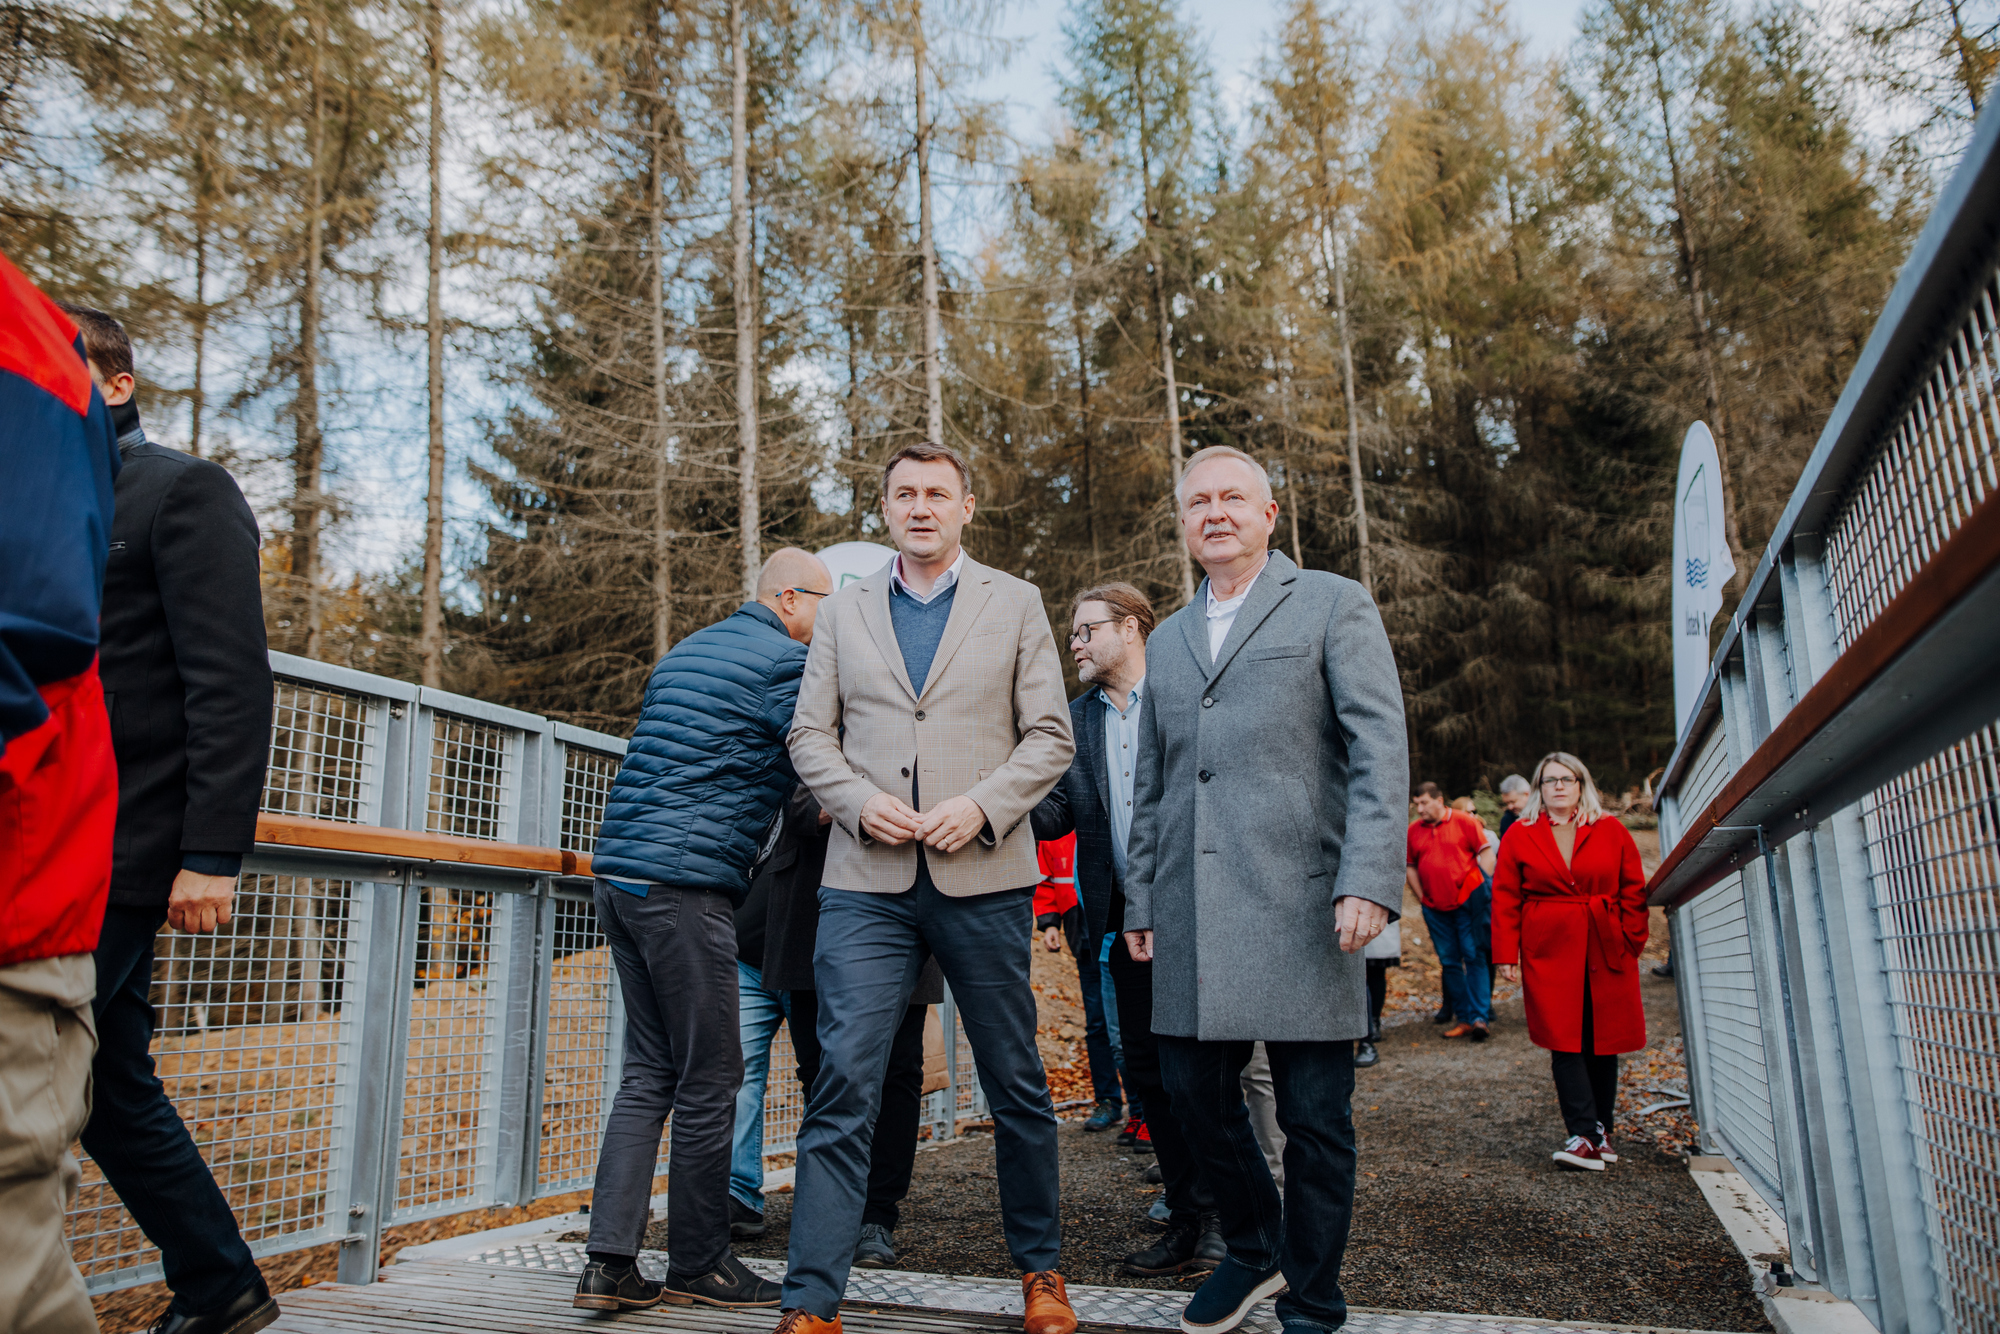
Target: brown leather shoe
1048, 1309
1458, 1031
801, 1321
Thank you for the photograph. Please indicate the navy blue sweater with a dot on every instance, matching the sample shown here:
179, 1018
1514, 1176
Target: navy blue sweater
707, 766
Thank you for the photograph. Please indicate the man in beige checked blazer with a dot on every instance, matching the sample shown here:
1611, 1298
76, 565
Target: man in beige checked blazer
931, 720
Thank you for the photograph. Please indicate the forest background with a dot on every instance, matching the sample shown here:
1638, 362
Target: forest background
673, 275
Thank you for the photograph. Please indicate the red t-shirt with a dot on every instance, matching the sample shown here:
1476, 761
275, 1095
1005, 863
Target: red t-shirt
1446, 856
1057, 892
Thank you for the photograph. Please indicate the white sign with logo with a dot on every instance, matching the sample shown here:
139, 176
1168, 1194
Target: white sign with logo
849, 561
1702, 567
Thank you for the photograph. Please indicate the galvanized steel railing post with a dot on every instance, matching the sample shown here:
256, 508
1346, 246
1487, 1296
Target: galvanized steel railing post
366, 1189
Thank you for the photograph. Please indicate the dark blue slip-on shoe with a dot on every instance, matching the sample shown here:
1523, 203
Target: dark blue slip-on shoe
1225, 1298
1104, 1116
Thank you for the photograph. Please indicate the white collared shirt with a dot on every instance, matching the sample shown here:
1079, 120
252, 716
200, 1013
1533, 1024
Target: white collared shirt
945, 582
1121, 748
1222, 615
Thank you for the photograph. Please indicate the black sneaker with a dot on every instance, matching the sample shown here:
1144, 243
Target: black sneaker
744, 1222
1152, 1176
728, 1283
1172, 1254
1366, 1055
876, 1249
248, 1311
1443, 1016
1108, 1113
603, 1288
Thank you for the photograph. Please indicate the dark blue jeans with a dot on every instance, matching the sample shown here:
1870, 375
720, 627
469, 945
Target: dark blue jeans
865, 964
1468, 978
1304, 1231
1096, 1036
138, 1140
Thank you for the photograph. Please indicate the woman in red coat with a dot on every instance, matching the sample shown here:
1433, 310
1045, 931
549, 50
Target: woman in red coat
1569, 920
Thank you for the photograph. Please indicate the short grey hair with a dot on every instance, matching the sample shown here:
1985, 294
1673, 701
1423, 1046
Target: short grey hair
1220, 452
1513, 783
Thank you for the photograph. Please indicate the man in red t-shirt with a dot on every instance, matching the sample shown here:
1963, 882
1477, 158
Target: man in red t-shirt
1450, 865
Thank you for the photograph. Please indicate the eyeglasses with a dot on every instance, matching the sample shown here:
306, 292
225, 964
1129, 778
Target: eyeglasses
1558, 782
1081, 635
814, 591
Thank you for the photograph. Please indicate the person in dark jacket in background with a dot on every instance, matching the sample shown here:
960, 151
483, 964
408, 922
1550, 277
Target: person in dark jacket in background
187, 682
58, 791
705, 772
791, 930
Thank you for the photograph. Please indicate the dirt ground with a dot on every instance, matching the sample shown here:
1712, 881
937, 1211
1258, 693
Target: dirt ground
1458, 1207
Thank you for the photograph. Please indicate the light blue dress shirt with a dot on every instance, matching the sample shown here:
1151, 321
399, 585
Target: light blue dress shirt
1121, 748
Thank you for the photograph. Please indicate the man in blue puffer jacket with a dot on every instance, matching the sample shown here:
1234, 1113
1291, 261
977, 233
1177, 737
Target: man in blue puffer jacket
706, 771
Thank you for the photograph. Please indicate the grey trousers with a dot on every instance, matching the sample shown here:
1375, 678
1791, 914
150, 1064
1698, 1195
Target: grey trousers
676, 955
1263, 1104
866, 960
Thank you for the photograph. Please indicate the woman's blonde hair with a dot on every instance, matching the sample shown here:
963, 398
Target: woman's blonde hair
1588, 808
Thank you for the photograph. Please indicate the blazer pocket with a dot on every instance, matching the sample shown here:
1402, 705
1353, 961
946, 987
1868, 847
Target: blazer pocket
1279, 651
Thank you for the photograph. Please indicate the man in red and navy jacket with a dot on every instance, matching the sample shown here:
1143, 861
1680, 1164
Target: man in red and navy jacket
58, 789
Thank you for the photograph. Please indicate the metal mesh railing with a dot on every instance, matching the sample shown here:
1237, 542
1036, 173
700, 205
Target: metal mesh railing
1934, 855
253, 1047
1939, 462
587, 779
784, 1097
575, 1091
469, 780
451, 1071
322, 753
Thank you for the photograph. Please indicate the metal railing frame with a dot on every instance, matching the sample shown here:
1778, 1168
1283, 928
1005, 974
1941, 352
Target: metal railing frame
1789, 826
380, 978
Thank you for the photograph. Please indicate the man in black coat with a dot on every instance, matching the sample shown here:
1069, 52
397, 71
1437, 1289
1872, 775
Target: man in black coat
791, 930
187, 682
1109, 626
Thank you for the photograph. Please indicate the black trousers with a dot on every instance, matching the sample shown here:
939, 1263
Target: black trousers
1146, 1095
1305, 1230
1378, 995
1586, 1083
893, 1152
676, 955
138, 1140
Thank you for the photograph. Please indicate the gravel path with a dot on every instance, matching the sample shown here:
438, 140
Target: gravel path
1458, 1207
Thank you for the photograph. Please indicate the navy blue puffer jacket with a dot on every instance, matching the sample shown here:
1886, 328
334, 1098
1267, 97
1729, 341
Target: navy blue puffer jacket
707, 766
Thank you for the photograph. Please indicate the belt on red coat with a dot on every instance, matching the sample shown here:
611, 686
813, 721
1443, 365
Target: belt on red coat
1604, 924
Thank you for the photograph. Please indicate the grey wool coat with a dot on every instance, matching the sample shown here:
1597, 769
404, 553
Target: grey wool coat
1270, 782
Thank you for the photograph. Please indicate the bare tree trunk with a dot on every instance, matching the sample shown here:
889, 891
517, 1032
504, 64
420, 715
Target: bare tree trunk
198, 400
926, 243
308, 453
1698, 319
856, 508
1336, 262
1083, 414
432, 637
749, 525
1152, 219
663, 576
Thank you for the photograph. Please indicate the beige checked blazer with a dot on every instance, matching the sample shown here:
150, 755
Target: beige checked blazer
991, 723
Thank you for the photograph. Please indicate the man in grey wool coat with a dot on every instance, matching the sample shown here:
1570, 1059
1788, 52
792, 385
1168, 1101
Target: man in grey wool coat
1269, 809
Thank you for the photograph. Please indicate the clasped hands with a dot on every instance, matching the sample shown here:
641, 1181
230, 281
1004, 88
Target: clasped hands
1356, 919
947, 826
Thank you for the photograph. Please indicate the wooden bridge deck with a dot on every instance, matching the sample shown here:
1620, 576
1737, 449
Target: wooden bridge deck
526, 1290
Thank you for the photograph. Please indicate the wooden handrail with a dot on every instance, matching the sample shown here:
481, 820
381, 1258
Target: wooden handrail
1966, 559
297, 831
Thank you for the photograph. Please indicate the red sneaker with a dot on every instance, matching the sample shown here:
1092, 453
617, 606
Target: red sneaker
1604, 1149
1580, 1153
1143, 1141
1130, 1134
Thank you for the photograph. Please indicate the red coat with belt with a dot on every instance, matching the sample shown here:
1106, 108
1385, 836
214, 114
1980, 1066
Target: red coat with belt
1563, 923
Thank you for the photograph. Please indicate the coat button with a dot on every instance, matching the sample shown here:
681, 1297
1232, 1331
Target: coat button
906, 773
1203, 775
1207, 703
920, 715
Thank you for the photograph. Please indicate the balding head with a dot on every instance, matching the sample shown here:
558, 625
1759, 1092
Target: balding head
793, 583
